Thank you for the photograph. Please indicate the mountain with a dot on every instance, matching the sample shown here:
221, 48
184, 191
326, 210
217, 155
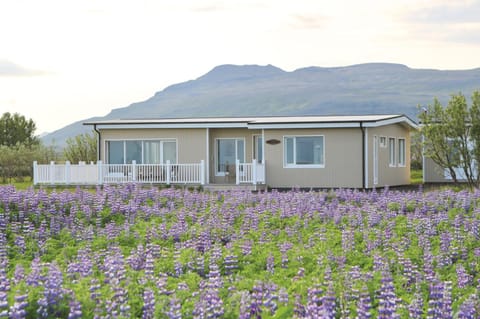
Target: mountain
252, 90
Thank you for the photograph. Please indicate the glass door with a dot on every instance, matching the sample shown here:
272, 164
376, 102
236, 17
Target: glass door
227, 152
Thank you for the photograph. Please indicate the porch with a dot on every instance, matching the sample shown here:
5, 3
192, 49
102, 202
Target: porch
167, 173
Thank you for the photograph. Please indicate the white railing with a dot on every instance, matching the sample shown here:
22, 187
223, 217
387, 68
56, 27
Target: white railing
119, 173
253, 173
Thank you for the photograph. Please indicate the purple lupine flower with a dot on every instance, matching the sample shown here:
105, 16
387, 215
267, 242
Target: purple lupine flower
364, 305
467, 309
17, 310
230, 264
52, 293
174, 309
415, 308
75, 310
148, 309
270, 264
387, 298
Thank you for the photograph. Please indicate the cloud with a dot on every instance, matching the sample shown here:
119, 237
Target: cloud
454, 22
8, 68
455, 12
309, 21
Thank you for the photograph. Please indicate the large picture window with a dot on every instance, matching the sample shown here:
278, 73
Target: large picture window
141, 151
304, 151
401, 152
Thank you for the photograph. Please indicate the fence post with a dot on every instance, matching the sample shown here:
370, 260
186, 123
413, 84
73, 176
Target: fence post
67, 172
254, 171
52, 172
35, 173
134, 170
202, 172
237, 171
100, 172
169, 172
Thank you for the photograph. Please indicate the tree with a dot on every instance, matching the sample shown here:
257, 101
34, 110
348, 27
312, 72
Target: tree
16, 129
452, 136
82, 147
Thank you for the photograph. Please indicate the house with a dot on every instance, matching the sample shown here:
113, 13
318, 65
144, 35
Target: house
280, 152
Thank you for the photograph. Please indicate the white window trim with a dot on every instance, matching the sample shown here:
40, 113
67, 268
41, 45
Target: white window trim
404, 164
216, 152
105, 143
394, 164
254, 146
285, 165
382, 145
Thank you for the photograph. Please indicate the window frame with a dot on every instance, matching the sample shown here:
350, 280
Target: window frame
287, 165
402, 155
382, 144
124, 140
392, 158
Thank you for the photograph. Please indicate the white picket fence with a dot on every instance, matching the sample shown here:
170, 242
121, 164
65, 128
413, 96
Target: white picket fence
99, 173
168, 173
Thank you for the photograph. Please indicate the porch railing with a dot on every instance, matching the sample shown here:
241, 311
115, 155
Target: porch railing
253, 173
100, 173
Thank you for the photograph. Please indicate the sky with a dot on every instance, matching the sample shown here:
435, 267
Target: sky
63, 61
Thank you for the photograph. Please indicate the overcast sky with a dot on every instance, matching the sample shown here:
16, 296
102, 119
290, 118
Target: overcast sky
64, 61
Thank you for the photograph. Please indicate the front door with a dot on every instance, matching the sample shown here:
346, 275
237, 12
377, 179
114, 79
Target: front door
375, 160
228, 150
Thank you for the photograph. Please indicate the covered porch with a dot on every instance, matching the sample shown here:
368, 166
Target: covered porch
168, 173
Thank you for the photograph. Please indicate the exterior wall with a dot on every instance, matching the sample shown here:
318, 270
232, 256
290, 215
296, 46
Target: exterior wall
343, 160
432, 173
215, 133
191, 143
387, 175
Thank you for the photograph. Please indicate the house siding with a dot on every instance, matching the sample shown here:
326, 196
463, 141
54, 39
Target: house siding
387, 175
343, 160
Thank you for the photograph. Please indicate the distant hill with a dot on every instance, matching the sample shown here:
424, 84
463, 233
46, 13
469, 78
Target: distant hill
252, 90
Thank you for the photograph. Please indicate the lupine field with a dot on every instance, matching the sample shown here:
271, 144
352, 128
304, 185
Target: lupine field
133, 252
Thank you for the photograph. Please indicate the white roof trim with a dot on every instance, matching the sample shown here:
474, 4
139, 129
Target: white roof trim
303, 125
285, 122
105, 126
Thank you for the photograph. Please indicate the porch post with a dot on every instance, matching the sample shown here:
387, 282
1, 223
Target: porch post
52, 172
35, 173
254, 171
168, 172
134, 170
67, 172
100, 172
237, 171
202, 172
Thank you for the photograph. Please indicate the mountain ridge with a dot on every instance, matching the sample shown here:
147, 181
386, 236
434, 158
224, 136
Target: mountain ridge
255, 90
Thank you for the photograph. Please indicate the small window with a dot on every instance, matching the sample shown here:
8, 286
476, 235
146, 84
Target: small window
401, 152
304, 151
391, 151
383, 141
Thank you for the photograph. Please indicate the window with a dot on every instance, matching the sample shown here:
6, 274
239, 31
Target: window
304, 151
228, 151
391, 151
258, 148
383, 141
401, 152
148, 152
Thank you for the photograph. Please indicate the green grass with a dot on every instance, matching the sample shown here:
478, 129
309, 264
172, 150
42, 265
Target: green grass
19, 185
416, 176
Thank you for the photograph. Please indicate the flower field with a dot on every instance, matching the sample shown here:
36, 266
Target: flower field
132, 252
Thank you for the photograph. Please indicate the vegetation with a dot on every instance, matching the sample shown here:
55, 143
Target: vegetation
82, 147
452, 137
129, 252
16, 129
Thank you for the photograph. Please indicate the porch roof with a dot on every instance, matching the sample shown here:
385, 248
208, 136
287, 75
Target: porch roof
274, 122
